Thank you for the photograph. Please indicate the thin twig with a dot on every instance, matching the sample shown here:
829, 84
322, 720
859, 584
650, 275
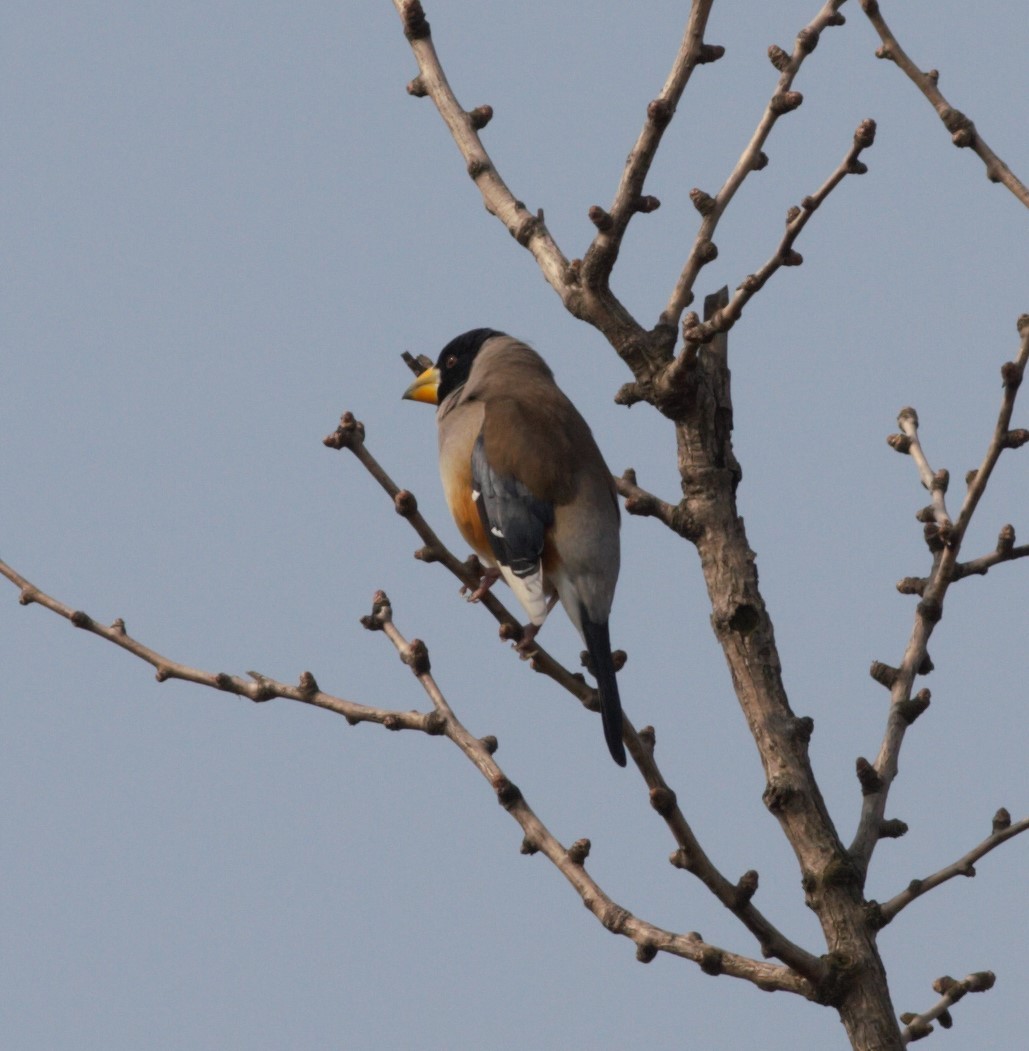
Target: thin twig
257, 688
611, 225
1003, 830
528, 229
782, 101
935, 481
1005, 552
350, 435
946, 545
639, 501
690, 855
917, 1025
963, 132
570, 861
441, 720
724, 318
599, 306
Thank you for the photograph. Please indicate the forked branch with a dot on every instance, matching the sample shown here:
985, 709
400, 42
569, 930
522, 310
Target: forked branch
583, 285
442, 721
611, 225
783, 100
257, 687
944, 537
785, 255
689, 854
570, 861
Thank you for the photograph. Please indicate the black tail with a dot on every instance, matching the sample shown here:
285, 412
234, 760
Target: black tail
598, 643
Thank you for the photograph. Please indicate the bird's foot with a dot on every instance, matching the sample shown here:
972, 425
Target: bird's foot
526, 646
486, 581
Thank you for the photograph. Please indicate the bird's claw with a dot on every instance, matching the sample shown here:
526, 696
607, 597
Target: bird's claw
486, 581
526, 645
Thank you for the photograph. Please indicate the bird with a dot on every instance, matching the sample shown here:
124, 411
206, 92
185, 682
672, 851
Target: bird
529, 491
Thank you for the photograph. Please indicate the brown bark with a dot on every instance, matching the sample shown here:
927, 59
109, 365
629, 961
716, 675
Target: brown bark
856, 983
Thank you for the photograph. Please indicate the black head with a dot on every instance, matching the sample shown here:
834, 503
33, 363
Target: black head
455, 359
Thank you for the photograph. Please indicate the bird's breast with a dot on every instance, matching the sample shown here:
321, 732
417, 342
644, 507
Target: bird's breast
466, 515
459, 427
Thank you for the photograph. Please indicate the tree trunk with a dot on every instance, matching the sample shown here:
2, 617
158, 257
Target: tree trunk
856, 982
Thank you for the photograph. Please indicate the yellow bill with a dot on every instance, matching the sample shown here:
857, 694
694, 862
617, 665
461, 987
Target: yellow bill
425, 388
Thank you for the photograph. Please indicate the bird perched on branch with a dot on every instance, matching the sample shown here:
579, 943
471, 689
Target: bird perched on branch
529, 490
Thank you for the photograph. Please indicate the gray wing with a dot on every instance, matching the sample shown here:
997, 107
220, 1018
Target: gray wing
515, 521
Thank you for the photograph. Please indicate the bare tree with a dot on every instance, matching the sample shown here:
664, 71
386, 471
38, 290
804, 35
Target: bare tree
679, 366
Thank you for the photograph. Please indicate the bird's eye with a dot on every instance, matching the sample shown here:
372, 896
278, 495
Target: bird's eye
450, 362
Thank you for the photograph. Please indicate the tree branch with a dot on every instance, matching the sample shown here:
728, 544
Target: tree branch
689, 855
611, 225
599, 307
944, 538
528, 229
1005, 552
696, 332
258, 688
570, 861
917, 1025
743, 628
1003, 830
963, 132
350, 435
649, 938
645, 504
783, 100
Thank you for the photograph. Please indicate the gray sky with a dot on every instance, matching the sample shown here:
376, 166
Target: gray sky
222, 223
